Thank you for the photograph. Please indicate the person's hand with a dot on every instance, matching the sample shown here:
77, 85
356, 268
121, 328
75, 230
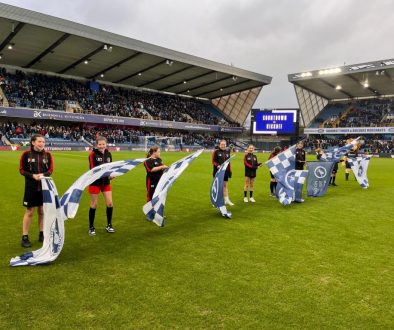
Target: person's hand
111, 177
164, 167
37, 177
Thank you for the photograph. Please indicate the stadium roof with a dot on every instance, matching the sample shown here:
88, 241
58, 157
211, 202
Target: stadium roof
315, 89
47, 43
370, 79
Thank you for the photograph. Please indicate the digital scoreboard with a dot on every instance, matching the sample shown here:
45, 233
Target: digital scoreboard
275, 122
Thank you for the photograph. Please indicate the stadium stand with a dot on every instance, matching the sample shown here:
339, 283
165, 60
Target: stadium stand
360, 113
38, 91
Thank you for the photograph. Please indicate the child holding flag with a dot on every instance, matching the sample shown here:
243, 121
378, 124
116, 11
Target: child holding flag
100, 155
34, 164
251, 165
154, 170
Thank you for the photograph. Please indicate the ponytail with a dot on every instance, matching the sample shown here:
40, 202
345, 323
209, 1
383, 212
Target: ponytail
152, 150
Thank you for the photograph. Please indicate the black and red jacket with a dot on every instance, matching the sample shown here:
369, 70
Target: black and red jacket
97, 158
149, 164
219, 156
35, 162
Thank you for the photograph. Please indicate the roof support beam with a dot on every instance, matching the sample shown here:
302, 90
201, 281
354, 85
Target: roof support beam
128, 58
204, 85
166, 76
371, 89
229, 86
85, 58
48, 50
12, 34
140, 71
334, 87
191, 79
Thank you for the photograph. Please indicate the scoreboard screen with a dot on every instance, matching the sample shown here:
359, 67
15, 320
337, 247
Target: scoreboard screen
275, 122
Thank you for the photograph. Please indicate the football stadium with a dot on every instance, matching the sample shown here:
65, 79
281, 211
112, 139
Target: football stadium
166, 199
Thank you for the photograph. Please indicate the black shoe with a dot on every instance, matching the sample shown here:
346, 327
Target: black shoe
334, 184
41, 237
25, 242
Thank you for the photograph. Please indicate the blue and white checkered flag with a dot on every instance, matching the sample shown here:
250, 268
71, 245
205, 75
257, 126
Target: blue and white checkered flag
290, 188
70, 200
154, 209
53, 230
299, 181
282, 168
335, 154
217, 198
282, 163
359, 167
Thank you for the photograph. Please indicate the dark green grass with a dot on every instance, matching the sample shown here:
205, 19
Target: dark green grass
327, 263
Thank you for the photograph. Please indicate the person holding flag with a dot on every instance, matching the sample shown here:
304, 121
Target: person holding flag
300, 156
34, 164
154, 170
251, 165
273, 182
219, 156
98, 156
353, 153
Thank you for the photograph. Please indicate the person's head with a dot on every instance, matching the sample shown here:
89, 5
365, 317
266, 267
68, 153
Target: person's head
277, 150
101, 143
154, 152
250, 148
37, 142
223, 145
300, 145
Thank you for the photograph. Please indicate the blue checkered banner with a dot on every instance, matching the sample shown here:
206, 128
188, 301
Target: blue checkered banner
217, 198
53, 230
57, 210
318, 178
335, 154
282, 168
359, 167
70, 200
154, 209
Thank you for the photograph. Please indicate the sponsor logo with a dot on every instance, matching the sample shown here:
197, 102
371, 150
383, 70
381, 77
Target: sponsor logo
37, 114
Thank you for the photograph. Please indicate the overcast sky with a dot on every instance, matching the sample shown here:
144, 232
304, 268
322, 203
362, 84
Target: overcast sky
272, 37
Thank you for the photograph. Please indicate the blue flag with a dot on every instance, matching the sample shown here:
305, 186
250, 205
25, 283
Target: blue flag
217, 198
53, 230
154, 209
318, 177
335, 154
359, 167
57, 210
70, 200
280, 166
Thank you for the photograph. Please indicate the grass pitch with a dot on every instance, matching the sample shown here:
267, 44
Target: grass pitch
327, 263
